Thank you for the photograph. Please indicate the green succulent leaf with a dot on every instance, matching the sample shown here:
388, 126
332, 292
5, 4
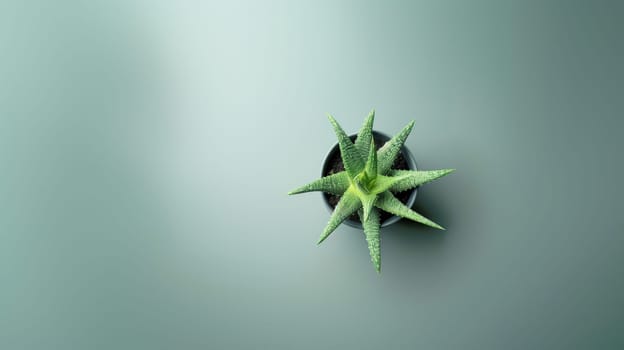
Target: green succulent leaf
367, 204
351, 157
349, 203
335, 184
389, 151
371, 231
384, 183
365, 135
408, 179
371, 163
388, 202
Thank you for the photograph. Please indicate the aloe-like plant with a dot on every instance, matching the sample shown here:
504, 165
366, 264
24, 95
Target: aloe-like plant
368, 183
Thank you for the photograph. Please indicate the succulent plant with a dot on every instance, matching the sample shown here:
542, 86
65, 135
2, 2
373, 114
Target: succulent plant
368, 183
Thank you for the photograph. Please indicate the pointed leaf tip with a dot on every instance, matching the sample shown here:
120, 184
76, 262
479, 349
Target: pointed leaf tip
351, 157
347, 205
331, 119
371, 116
402, 180
336, 184
365, 135
388, 152
446, 171
371, 162
371, 232
389, 203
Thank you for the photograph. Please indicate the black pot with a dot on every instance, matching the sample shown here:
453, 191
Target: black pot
383, 138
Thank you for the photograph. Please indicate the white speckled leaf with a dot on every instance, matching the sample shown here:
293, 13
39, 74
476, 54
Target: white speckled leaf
371, 162
388, 202
408, 179
365, 135
351, 158
349, 203
383, 183
335, 184
371, 231
389, 151
367, 204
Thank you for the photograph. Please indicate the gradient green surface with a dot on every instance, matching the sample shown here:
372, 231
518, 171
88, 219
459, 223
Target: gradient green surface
147, 149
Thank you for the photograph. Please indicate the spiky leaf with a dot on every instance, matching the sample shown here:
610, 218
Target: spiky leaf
367, 204
388, 202
349, 203
389, 151
351, 157
335, 184
383, 183
371, 231
371, 162
409, 179
365, 135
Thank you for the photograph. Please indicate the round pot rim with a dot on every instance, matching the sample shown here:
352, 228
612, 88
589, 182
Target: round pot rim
411, 163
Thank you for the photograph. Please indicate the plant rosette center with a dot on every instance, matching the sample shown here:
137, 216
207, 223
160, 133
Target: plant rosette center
364, 184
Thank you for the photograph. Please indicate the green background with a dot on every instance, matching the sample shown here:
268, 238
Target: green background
146, 149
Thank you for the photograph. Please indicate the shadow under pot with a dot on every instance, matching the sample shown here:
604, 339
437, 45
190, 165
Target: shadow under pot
404, 161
